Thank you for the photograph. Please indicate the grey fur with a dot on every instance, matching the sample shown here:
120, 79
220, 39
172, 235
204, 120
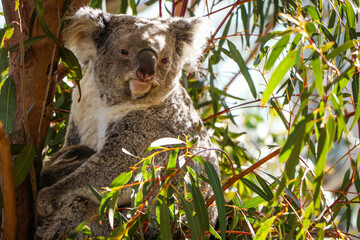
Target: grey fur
132, 120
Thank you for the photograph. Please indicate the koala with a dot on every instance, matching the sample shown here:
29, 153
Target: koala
130, 96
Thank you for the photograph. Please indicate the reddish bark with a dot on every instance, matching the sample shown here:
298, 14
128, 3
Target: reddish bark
39, 87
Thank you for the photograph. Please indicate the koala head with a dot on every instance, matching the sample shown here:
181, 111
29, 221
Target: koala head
133, 58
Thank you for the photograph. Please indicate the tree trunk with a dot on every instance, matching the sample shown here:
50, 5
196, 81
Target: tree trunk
34, 73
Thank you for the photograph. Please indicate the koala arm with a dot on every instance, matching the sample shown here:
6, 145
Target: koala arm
102, 167
63, 163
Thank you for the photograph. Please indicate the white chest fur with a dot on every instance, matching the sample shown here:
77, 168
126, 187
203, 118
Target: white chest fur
92, 115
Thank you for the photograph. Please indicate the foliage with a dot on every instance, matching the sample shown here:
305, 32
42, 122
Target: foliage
299, 60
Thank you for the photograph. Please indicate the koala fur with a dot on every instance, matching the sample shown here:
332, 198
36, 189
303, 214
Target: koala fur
131, 96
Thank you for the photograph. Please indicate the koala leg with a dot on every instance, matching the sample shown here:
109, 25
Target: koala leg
98, 171
65, 219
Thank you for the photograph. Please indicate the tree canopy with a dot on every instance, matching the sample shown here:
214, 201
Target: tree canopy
278, 89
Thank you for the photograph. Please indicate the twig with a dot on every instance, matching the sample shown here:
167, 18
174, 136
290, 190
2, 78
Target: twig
232, 180
8, 188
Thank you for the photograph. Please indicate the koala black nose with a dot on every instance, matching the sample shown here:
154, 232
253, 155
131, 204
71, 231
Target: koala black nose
147, 60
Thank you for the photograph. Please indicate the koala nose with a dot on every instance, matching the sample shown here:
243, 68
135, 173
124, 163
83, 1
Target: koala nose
147, 60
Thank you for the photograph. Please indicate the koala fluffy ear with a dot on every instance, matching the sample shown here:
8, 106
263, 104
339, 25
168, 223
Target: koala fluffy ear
191, 39
82, 30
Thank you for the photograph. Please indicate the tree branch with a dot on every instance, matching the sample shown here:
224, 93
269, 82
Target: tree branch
8, 188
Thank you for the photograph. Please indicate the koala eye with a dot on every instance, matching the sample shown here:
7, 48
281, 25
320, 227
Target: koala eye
164, 61
124, 52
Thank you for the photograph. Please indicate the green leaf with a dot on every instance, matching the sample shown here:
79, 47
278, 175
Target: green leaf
264, 229
193, 221
265, 187
278, 75
17, 3
71, 63
322, 151
235, 54
214, 233
287, 191
272, 35
317, 68
165, 227
358, 220
94, 191
105, 203
133, 6
8, 105
292, 148
4, 60
23, 163
277, 50
39, 11
253, 202
278, 109
112, 208
121, 180
200, 206
255, 189
350, 14
95, 3
219, 196
313, 12
77, 230
342, 48
27, 43
6, 35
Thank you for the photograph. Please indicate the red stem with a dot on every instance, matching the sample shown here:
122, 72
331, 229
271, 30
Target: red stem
183, 8
232, 180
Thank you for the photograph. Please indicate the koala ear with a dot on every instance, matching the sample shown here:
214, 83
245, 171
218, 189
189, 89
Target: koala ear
82, 30
191, 39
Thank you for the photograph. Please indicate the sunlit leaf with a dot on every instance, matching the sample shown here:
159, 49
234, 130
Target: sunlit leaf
317, 68
313, 12
278, 75
322, 151
264, 229
342, 48
277, 50
7, 34
121, 180
253, 202
112, 208
166, 141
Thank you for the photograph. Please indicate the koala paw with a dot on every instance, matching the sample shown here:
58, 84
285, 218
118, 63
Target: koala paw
46, 202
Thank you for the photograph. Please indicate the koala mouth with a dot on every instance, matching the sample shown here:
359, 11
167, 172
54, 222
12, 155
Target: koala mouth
139, 88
